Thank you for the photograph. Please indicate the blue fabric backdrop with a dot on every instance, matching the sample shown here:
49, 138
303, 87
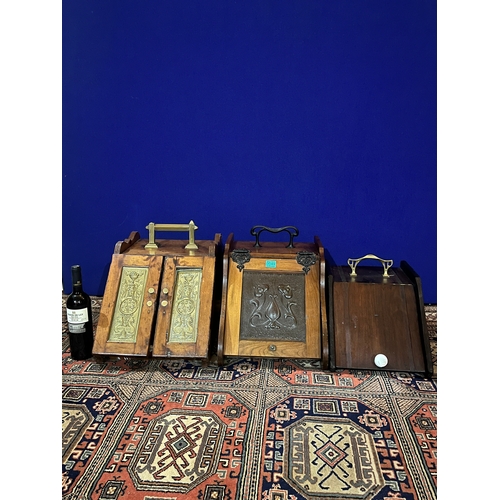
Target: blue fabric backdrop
315, 113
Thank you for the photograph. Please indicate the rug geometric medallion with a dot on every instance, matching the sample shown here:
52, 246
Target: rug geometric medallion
249, 430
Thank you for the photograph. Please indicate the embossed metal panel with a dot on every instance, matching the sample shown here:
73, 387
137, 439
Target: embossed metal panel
158, 301
273, 301
273, 306
125, 323
128, 306
186, 306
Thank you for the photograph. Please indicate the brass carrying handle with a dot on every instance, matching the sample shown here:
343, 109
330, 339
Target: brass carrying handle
354, 262
291, 230
191, 227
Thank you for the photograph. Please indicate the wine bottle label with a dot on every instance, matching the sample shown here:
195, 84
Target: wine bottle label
76, 327
76, 316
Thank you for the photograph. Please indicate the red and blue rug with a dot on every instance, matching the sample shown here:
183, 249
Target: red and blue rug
250, 430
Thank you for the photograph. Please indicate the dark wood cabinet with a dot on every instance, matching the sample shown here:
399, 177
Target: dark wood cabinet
377, 321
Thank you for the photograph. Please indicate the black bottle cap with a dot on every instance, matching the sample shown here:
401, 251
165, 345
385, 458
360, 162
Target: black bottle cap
76, 274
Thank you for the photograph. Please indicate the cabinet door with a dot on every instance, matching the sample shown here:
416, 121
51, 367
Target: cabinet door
128, 306
372, 319
273, 312
185, 307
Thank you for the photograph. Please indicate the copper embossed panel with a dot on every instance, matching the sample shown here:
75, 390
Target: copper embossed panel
128, 305
273, 306
186, 306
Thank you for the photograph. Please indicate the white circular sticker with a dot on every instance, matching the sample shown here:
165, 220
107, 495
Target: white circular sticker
381, 360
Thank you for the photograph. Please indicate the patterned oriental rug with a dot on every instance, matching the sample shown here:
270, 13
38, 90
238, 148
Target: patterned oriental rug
251, 430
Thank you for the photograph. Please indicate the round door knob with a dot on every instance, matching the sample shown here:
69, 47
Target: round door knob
151, 290
272, 347
149, 303
164, 303
381, 360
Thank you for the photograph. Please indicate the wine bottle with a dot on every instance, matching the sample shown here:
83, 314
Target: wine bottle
79, 315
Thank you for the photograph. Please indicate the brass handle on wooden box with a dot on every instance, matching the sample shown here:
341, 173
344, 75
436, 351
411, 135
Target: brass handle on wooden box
291, 230
152, 227
354, 262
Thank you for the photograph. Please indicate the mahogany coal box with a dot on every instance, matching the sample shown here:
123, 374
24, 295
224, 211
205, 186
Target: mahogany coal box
377, 318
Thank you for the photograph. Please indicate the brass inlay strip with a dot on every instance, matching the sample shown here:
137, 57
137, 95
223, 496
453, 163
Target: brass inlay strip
125, 324
186, 306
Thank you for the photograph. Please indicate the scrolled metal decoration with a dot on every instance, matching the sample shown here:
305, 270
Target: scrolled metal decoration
306, 260
291, 230
240, 257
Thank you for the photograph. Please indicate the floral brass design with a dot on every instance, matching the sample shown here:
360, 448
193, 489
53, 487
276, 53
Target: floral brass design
186, 306
128, 308
273, 306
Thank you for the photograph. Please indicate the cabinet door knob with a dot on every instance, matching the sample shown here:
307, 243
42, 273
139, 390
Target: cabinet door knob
381, 360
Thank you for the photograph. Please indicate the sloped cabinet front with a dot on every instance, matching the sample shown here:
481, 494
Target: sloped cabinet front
378, 319
128, 307
273, 301
185, 308
273, 313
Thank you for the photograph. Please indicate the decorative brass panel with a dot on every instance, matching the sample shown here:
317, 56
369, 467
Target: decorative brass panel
186, 306
128, 308
273, 306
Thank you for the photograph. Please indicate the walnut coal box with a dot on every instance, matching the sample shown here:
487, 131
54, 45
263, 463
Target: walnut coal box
159, 297
273, 298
